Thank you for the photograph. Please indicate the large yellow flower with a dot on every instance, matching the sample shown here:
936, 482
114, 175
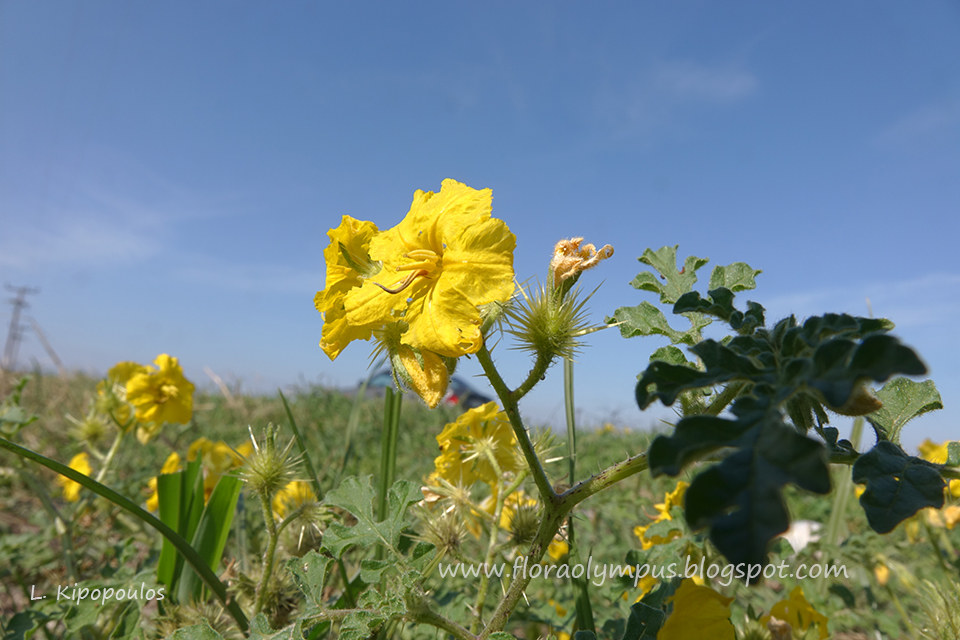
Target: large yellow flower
71, 489
112, 393
439, 265
160, 395
698, 612
463, 443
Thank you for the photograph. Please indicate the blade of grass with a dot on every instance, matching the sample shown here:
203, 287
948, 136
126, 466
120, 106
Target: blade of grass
188, 552
584, 612
307, 462
388, 453
210, 536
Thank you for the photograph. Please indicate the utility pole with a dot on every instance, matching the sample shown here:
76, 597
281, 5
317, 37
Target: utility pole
15, 332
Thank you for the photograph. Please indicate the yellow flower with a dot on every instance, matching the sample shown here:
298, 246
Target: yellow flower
444, 260
347, 252
218, 459
464, 443
671, 499
71, 489
112, 392
698, 612
951, 516
170, 465
798, 613
558, 549
882, 574
160, 395
292, 496
933, 452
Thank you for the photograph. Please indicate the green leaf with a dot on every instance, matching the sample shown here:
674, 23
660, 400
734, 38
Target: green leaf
647, 320
953, 454
898, 485
23, 624
903, 400
738, 276
210, 536
374, 609
671, 355
740, 499
674, 282
584, 635
201, 631
310, 572
260, 629
357, 496
502, 635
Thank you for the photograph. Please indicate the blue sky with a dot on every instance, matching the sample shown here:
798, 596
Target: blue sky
168, 171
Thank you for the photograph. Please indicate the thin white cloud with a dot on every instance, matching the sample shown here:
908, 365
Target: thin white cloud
923, 123
687, 81
660, 93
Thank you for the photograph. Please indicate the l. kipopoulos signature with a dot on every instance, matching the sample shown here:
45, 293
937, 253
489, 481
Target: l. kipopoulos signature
78, 593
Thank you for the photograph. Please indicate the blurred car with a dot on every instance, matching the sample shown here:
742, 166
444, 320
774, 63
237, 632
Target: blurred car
459, 392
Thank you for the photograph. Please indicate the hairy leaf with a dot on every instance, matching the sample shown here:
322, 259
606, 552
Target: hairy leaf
357, 496
898, 485
735, 277
903, 400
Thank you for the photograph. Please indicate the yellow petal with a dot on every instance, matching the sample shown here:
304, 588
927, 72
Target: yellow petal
430, 382
698, 612
71, 489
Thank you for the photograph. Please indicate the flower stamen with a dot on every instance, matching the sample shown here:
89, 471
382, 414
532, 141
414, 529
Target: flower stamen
403, 284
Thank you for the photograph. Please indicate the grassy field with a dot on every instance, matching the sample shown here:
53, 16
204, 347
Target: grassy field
899, 585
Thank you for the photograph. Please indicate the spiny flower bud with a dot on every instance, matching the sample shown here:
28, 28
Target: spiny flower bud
269, 469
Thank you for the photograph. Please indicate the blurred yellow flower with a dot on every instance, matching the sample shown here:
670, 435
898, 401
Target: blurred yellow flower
698, 612
170, 465
112, 392
882, 573
558, 549
463, 444
71, 489
291, 497
798, 613
159, 396
951, 516
444, 260
218, 459
670, 500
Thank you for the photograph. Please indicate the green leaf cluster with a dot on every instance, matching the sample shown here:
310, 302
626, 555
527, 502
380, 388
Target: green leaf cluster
779, 384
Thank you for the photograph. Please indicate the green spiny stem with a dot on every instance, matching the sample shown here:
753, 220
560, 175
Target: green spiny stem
509, 401
539, 369
108, 459
269, 554
584, 612
600, 481
492, 545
